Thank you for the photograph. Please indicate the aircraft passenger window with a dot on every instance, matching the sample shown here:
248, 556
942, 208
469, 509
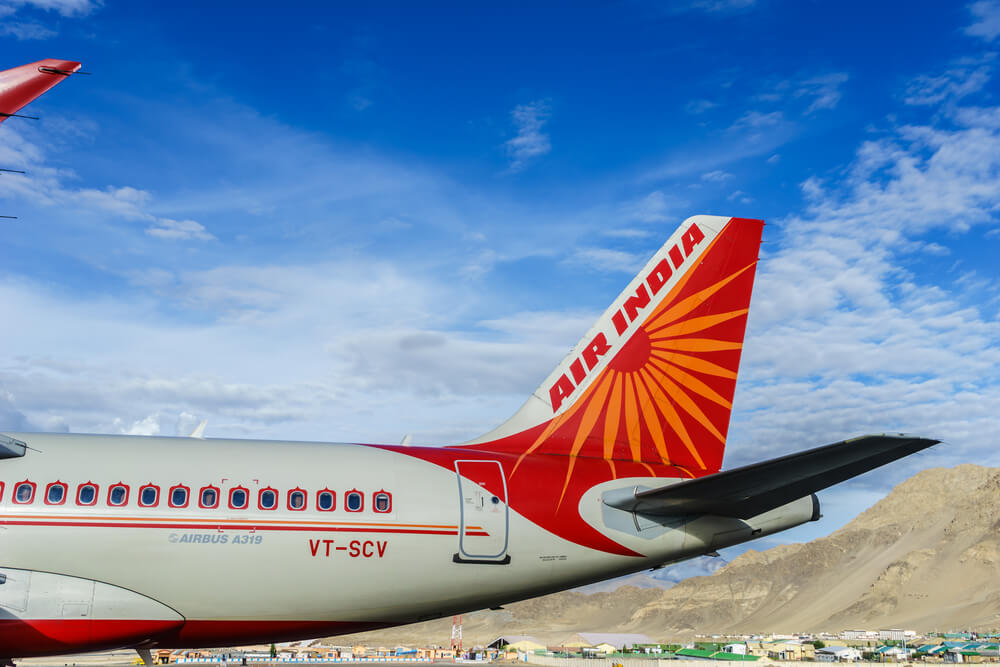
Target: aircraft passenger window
383, 501
118, 495
239, 498
24, 492
208, 497
86, 494
267, 499
55, 493
354, 501
326, 501
297, 500
149, 495
178, 496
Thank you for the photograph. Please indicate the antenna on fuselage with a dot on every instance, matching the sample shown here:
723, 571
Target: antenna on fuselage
407, 439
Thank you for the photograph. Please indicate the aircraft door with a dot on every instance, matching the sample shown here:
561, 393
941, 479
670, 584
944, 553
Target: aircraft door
484, 524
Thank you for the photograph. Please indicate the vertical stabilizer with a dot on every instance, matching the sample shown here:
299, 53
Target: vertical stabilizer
653, 379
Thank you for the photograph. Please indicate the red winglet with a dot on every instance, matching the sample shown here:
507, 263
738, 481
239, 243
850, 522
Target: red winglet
21, 85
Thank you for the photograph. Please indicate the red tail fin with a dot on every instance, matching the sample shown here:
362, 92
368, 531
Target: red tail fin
21, 85
653, 380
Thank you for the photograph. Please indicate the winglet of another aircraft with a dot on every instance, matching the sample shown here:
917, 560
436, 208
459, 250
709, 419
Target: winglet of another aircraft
21, 85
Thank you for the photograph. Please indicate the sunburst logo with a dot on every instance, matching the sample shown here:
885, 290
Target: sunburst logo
665, 397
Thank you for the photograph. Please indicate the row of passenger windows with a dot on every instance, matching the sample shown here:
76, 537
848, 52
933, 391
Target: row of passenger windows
208, 497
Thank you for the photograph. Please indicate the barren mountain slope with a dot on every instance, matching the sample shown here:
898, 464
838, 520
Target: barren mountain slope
925, 557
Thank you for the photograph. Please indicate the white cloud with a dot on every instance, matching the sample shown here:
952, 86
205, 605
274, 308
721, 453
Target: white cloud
740, 196
179, 230
699, 106
774, 159
530, 142
757, 119
839, 325
986, 19
714, 6
654, 207
25, 30
935, 249
965, 78
824, 90
716, 176
61, 7
33, 30
608, 260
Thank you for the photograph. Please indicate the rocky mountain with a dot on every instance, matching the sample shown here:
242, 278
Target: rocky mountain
925, 557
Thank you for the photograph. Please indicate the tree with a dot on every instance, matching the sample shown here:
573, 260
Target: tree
274, 651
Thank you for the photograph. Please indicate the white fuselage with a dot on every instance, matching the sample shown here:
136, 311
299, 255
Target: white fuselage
441, 545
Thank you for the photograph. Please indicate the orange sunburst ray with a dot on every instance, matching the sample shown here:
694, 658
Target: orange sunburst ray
696, 364
652, 421
687, 403
685, 306
695, 324
693, 344
666, 408
690, 382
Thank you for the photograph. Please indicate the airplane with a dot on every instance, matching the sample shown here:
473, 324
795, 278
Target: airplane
612, 466
21, 85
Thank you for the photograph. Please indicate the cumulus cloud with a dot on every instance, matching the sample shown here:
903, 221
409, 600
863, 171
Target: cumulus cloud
844, 339
531, 141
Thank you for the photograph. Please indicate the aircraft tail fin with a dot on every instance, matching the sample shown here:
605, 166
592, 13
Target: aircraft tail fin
21, 85
653, 380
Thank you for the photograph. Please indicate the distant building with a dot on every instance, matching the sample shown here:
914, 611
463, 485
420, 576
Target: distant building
837, 654
781, 649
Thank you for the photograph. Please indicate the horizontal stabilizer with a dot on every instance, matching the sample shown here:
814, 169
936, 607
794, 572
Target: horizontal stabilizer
754, 489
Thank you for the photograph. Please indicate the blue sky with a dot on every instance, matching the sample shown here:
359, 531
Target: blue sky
342, 223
